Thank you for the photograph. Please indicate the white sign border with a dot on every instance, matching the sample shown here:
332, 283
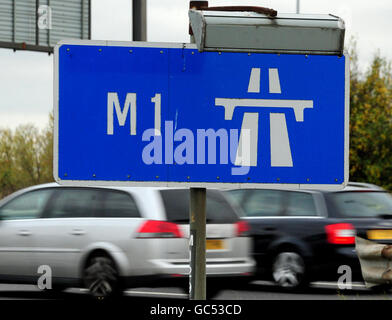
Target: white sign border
102, 43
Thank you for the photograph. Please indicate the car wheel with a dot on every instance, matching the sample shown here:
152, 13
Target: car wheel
101, 277
288, 270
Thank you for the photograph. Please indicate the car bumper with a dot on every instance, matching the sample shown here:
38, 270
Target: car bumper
214, 267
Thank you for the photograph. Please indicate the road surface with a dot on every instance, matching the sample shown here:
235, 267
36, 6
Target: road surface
257, 290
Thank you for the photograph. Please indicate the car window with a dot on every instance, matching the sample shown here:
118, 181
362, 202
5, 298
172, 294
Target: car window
119, 204
362, 204
300, 204
73, 203
237, 196
263, 203
29, 205
176, 204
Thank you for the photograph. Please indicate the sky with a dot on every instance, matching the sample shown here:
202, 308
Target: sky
26, 78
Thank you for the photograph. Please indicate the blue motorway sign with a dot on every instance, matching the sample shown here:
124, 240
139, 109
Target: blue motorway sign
168, 115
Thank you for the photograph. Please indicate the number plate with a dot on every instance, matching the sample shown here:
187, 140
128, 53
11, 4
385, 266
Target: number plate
379, 234
215, 244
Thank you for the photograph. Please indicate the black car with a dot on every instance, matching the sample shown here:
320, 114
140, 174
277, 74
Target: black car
306, 235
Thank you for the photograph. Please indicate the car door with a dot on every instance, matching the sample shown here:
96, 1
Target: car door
17, 237
64, 231
304, 221
263, 211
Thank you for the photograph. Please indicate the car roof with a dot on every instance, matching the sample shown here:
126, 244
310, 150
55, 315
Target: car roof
135, 190
360, 186
149, 201
128, 189
57, 185
351, 186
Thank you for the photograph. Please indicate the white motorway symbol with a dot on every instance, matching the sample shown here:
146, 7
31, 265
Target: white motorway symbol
247, 152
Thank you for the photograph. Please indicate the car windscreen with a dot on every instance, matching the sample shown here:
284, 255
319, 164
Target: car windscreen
176, 204
363, 204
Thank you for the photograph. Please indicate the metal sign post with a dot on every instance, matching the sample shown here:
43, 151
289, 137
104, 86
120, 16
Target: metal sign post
197, 224
197, 243
139, 20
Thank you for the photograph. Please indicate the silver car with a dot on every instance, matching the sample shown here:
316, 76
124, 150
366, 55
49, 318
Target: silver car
108, 239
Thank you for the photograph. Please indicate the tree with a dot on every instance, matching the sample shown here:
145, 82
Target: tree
7, 183
371, 123
26, 157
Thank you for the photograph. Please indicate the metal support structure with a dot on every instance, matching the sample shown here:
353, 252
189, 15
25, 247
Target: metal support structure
139, 20
197, 244
197, 223
13, 21
297, 7
21, 13
36, 23
195, 5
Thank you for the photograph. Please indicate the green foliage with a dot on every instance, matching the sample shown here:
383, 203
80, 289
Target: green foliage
26, 157
371, 123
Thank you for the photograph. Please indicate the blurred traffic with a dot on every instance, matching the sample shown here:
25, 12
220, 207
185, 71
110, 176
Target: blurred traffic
308, 235
108, 239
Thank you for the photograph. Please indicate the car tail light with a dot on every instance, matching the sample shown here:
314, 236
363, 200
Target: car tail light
242, 228
340, 233
159, 229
